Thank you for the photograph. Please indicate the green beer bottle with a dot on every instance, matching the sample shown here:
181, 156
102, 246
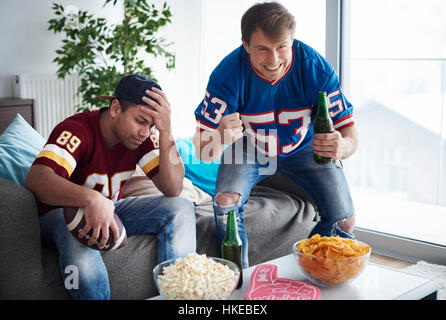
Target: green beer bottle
231, 247
322, 123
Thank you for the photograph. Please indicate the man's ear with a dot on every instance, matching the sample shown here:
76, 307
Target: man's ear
115, 108
245, 45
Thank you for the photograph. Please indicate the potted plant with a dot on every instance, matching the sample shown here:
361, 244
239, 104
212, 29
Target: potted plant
102, 53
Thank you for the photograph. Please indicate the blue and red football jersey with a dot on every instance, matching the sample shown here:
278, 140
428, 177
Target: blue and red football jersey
277, 114
77, 151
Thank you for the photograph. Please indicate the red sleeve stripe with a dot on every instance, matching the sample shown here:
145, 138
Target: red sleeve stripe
201, 126
346, 125
344, 122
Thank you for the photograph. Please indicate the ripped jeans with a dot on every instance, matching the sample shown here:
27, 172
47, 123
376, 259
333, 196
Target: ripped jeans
171, 219
325, 184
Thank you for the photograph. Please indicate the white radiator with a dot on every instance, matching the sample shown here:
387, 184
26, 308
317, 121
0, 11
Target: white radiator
54, 99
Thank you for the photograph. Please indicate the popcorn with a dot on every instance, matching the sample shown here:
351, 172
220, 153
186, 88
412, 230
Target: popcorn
197, 277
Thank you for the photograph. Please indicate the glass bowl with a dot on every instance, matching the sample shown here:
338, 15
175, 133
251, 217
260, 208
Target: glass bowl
215, 280
333, 271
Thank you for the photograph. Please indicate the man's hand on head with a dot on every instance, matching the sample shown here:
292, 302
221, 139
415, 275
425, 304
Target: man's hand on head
159, 109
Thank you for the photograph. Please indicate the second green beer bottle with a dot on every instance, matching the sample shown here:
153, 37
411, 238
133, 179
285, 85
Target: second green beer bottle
322, 123
231, 247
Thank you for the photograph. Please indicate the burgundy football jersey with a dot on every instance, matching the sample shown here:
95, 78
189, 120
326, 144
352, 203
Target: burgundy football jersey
76, 151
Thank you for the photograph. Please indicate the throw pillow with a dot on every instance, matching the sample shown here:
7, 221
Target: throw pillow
19, 146
140, 185
202, 174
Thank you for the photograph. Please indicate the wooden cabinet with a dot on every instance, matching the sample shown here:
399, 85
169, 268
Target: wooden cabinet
9, 107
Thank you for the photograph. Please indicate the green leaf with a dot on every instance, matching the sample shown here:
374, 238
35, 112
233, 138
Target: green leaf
101, 52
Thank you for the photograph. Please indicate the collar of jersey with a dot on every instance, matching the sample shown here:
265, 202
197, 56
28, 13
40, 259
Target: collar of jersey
284, 74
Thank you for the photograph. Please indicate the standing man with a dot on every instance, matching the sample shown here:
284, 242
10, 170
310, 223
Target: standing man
86, 161
266, 91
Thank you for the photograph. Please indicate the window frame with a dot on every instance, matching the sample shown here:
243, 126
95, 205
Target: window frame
338, 53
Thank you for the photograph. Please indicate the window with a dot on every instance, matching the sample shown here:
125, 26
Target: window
394, 73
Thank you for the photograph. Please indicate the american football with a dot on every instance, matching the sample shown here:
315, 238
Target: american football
75, 220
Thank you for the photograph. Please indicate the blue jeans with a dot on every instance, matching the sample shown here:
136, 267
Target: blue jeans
171, 219
325, 185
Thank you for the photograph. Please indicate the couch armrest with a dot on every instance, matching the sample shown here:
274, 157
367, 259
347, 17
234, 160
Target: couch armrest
20, 245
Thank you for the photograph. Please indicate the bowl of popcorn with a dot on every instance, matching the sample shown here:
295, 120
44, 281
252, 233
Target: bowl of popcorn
331, 261
196, 277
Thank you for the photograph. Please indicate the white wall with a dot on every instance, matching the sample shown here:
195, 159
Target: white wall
183, 85
27, 46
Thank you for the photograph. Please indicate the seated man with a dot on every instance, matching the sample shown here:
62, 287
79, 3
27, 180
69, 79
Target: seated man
88, 157
267, 90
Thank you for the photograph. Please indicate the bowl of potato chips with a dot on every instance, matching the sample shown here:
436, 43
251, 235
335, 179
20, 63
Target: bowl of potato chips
331, 261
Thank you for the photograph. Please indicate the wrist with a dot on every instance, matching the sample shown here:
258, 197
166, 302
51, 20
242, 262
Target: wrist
347, 148
165, 131
220, 137
165, 136
91, 197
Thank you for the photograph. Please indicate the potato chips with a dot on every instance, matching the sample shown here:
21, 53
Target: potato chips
332, 260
